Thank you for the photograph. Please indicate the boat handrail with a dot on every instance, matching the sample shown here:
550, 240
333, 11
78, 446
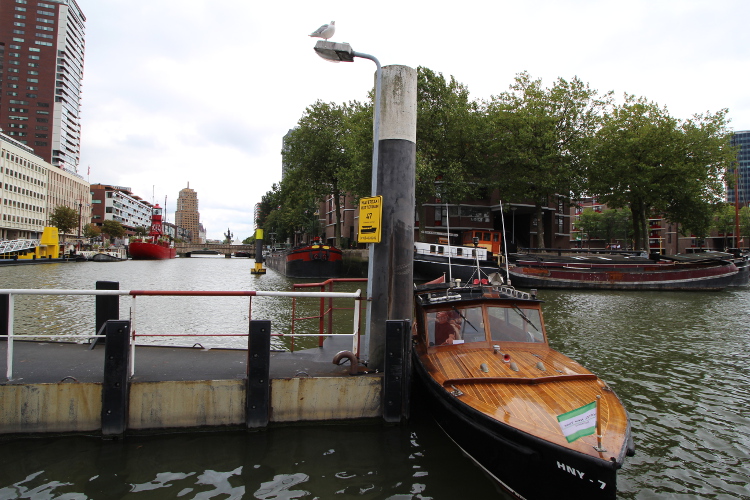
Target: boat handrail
520, 380
12, 292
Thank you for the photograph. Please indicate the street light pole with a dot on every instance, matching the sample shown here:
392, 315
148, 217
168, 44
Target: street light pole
343, 52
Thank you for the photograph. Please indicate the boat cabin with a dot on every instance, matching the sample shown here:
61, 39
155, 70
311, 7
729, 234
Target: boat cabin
450, 251
489, 240
455, 320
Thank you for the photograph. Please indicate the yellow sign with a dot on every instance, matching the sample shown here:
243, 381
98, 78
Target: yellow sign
370, 217
258, 234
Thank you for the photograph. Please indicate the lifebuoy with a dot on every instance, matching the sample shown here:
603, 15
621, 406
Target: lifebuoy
324, 256
316, 256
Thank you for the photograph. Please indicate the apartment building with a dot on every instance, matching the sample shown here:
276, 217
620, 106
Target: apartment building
42, 48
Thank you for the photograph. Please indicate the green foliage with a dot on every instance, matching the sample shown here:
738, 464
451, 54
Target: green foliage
113, 228
65, 219
541, 138
249, 240
91, 230
650, 161
141, 231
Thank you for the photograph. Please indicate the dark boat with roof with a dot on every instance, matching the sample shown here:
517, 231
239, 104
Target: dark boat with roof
458, 261
540, 423
316, 260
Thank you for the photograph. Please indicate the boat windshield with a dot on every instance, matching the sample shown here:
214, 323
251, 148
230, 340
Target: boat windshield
456, 326
513, 324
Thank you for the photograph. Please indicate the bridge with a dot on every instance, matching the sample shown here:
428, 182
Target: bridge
218, 248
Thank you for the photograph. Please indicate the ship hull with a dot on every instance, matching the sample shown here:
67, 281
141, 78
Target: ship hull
313, 261
139, 250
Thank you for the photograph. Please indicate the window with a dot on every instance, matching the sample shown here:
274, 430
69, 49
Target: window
47, 44
515, 324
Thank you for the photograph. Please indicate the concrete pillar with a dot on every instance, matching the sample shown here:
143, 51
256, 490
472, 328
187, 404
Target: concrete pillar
393, 259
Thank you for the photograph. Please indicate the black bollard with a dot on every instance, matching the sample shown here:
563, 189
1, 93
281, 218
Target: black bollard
115, 387
107, 306
4, 312
258, 383
396, 374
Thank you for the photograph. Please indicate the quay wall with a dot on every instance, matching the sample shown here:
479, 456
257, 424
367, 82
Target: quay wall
71, 407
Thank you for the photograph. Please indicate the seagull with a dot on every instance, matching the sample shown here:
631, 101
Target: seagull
326, 31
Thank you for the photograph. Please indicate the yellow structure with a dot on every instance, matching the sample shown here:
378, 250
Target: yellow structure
48, 248
258, 269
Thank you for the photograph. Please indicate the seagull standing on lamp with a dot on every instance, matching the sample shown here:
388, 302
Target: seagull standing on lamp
325, 32
343, 52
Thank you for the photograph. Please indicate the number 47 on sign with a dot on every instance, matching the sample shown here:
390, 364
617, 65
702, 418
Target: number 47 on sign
370, 217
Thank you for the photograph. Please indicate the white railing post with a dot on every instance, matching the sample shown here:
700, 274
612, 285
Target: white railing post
9, 362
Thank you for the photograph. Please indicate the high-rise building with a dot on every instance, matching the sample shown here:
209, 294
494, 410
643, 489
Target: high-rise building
41, 50
741, 139
187, 214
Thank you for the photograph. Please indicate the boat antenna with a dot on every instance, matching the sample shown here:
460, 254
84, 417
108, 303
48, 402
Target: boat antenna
448, 223
505, 243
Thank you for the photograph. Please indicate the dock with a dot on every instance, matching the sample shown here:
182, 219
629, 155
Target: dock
57, 388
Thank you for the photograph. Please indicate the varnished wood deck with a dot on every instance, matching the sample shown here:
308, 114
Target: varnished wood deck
529, 399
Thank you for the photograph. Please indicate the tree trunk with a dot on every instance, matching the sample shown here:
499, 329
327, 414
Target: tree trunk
539, 225
337, 218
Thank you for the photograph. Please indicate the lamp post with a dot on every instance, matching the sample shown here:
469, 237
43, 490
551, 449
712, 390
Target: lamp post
343, 52
80, 206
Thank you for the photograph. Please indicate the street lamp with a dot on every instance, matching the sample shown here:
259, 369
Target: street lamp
343, 52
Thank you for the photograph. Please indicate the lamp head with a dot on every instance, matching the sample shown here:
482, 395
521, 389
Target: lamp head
334, 51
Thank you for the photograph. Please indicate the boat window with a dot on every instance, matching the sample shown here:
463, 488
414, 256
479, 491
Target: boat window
487, 237
513, 324
455, 326
459, 251
441, 250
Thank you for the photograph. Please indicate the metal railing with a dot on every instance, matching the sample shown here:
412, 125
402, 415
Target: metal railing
11, 293
326, 312
17, 245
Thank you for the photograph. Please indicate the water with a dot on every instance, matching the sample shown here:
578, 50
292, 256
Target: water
679, 361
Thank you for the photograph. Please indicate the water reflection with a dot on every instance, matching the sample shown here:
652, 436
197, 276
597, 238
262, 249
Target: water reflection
368, 461
680, 363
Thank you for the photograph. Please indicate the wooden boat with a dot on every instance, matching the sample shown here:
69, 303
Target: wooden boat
699, 271
499, 391
155, 247
309, 261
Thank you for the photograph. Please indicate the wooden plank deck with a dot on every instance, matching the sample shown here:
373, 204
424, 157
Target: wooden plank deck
529, 399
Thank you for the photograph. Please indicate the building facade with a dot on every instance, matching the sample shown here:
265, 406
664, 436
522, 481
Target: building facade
187, 214
118, 203
42, 47
742, 174
31, 189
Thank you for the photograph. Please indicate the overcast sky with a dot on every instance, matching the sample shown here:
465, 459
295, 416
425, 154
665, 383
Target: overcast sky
201, 92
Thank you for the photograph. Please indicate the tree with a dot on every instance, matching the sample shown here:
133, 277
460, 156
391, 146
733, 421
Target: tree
113, 229
141, 231
724, 222
65, 219
91, 230
616, 224
647, 160
317, 159
540, 140
590, 224
744, 226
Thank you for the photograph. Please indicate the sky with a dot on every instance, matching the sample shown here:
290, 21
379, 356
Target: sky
199, 93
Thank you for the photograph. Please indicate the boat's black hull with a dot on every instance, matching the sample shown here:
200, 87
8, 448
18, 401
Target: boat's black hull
524, 465
307, 263
619, 280
428, 267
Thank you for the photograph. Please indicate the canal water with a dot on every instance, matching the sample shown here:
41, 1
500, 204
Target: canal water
680, 361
